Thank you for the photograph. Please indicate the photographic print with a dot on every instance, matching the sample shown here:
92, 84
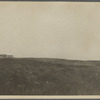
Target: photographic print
49, 48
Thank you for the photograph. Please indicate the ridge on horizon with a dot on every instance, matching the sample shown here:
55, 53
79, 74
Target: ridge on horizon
55, 58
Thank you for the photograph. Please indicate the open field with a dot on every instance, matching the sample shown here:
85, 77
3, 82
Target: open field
44, 76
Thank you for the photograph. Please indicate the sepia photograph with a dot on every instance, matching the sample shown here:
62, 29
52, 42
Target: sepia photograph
49, 48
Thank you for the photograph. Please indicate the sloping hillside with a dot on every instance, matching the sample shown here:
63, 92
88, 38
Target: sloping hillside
37, 76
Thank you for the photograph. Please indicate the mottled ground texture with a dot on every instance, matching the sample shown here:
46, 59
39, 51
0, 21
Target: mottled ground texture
34, 76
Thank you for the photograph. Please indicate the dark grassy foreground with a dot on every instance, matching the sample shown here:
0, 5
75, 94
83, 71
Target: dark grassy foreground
49, 76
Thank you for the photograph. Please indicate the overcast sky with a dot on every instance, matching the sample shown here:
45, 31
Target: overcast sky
56, 29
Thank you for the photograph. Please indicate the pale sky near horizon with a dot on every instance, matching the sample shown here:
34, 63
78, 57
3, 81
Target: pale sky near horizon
50, 29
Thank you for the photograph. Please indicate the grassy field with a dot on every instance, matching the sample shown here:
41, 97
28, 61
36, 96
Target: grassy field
44, 76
